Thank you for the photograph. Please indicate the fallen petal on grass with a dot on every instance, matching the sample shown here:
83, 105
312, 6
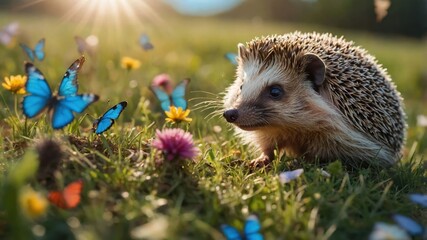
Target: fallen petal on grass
411, 226
384, 231
419, 199
288, 176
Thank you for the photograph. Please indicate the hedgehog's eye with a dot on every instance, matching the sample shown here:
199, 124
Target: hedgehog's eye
276, 92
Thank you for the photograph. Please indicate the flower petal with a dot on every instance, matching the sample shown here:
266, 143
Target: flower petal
21, 91
6, 86
175, 143
408, 224
388, 231
186, 113
419, 199
288, 176
169, 114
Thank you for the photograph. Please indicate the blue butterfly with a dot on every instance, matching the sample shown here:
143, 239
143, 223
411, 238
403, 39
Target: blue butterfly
408, 224
105, 122
232, 57
176, 98
145, 43
87, 45
63, 104
38, 51
251, 230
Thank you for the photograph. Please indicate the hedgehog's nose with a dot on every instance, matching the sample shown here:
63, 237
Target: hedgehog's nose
231, 115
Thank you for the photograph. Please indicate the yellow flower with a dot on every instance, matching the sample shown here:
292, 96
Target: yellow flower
177, 115
129, 63
33, 204
15, 84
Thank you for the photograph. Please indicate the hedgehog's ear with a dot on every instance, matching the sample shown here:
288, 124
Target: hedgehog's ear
242, 51
315, 68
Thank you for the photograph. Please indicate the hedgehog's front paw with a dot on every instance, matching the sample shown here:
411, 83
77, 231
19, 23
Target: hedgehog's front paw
262, 161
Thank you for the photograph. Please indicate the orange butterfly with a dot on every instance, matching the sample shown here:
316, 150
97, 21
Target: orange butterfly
69, 197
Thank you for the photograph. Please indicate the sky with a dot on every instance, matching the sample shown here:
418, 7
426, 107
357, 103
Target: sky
202, 7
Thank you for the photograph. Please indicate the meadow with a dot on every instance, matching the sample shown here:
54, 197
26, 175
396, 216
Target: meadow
128, 193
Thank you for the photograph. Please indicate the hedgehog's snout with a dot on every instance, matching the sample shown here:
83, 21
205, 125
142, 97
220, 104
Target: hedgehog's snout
231, 115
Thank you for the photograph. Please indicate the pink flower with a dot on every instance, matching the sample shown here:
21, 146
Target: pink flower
163, 80
175, 143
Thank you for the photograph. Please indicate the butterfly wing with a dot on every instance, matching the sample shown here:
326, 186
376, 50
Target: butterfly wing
81, 44
62, 116
28, 51
252, 228
230, 232
32, 105
72, 193
39, 91
107, 120
69, 197
163, 97
57, 199
115, 111
64, 108
69, 85
145, 43
178, 94
102, 125
232, 57
39, 50
408, 224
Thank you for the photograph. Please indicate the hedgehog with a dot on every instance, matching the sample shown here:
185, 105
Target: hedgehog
316, 97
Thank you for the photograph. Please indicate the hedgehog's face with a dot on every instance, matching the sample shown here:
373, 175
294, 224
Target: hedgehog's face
269, 95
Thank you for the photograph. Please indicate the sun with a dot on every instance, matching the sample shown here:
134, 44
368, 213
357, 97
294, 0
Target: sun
102, 15
115, 20
111, 13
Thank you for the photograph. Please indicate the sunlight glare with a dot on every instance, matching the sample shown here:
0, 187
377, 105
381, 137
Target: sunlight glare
92, 40
110, 15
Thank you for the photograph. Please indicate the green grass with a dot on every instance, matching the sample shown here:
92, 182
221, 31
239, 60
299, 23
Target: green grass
124, 187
